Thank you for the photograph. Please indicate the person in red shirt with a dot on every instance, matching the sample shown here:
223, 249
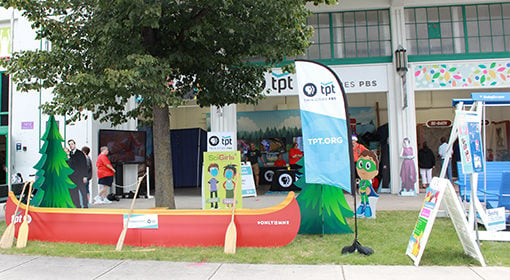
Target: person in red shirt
357, 148
105, 172
280, 162
295, 154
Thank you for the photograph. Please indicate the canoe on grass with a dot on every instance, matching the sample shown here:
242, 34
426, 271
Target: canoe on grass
275, 226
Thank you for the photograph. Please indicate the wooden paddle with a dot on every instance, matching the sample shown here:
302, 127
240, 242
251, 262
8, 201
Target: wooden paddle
231, 234
122, 236
8, 236
23, 229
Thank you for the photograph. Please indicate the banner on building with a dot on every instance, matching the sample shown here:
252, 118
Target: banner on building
326, 138
468, 125
5, 41
221, 180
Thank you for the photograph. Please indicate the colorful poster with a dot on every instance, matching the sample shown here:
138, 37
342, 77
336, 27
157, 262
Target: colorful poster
5, 41
426, 218
324, 124
441, 189
221, 180
468, 124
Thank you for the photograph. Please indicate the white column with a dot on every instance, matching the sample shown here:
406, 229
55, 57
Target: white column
393, 103
403, 103
224, 119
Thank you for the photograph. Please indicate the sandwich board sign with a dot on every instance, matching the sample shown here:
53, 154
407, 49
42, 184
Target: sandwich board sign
438, 190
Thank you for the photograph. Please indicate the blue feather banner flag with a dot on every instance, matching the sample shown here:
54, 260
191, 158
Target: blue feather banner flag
324, 119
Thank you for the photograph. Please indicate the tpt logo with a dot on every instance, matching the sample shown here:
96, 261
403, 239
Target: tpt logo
226, 140
328, 88
18, 218
280, 82
310, 89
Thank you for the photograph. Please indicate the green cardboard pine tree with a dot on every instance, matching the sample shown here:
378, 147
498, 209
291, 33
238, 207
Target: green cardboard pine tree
323, 207
53, 183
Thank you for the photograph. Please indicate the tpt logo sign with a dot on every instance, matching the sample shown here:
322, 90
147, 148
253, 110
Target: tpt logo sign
221, 141
325, 90
279, 84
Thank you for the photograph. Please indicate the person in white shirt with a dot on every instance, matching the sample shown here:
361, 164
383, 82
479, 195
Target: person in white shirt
443, 153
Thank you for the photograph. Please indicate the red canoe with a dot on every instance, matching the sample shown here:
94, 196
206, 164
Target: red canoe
269, 227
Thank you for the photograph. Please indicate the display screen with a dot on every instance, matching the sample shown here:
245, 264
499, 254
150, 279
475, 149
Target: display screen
124, 146
272, 145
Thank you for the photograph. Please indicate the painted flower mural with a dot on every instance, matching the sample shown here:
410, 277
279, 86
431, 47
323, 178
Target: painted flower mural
493, 74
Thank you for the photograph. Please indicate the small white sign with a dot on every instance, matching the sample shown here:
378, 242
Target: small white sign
248, 184
496, 217
221, 141
142, 221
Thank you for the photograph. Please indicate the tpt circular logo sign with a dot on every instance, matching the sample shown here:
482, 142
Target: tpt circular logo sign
214, 140
310, 90
285, 180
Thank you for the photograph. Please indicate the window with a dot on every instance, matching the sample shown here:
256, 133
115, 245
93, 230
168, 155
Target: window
469, 29
356, 34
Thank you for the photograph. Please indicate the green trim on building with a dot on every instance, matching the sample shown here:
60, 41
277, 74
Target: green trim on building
415, 58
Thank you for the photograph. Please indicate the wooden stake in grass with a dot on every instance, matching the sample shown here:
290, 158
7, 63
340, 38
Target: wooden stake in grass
23, 229
122, 236
8, 236
231, 234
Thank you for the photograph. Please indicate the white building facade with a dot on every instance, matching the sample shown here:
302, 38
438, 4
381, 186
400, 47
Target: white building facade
453, 48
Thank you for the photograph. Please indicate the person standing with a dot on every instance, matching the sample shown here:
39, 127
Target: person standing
357, 148
444, 154
426, 162
280, 162
295, 154
86, 151
105, 173
78, 163
253, 158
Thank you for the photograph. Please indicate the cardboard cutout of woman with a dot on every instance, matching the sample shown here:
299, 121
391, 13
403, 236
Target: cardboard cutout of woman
367, 168
407, 170
229, 185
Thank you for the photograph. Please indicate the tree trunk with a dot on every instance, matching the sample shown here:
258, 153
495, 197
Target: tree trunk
164, 181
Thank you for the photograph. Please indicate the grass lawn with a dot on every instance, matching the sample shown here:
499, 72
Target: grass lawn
387, 235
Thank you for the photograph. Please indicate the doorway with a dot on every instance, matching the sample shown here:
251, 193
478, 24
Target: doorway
432, 135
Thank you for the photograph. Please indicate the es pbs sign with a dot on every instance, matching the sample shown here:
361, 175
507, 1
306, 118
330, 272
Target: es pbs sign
221, 141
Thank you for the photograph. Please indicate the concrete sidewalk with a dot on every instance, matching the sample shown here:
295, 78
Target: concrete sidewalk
190, 198
35, 267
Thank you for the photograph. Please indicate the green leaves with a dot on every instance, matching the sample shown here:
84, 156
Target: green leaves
104, 52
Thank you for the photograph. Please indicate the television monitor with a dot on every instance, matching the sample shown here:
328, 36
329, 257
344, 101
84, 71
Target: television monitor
124, 146
272, 145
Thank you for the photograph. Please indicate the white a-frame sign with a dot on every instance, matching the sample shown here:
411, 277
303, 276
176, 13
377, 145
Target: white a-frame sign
440, 189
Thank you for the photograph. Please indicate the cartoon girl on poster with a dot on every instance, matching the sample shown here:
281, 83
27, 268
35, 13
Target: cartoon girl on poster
229, 185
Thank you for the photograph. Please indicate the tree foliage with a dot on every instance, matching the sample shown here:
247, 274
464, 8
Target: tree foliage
104, 52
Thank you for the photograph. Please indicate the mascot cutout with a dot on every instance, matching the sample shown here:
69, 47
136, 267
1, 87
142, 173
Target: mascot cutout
367, 169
